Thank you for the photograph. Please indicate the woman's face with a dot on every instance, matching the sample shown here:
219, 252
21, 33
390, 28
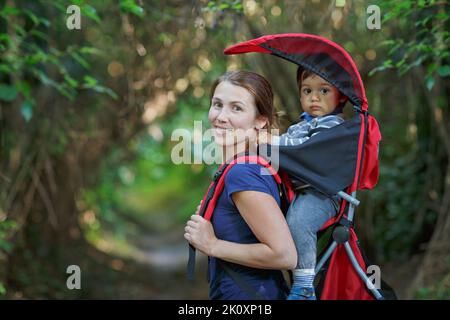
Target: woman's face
233, 115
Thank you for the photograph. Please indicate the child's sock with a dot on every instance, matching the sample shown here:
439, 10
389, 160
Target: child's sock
303, 278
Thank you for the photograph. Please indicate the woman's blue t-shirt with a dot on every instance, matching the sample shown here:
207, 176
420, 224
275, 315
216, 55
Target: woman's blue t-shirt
230, 226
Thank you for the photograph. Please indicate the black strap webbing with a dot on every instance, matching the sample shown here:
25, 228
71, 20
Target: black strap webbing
191, 263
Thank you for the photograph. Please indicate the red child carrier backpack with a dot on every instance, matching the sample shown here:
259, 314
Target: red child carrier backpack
339, 160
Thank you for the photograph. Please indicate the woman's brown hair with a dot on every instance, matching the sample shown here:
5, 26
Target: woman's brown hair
258, 87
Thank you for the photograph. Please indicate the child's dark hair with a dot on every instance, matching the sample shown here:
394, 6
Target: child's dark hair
302, 74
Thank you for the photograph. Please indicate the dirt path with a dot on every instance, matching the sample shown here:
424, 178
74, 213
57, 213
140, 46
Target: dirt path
156, 269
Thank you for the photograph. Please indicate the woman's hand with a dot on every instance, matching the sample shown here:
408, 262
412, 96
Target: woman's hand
200, 233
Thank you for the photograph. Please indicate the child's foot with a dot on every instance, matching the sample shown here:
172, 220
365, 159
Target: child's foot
304, 293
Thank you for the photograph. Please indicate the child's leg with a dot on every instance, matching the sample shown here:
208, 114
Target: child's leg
306, 215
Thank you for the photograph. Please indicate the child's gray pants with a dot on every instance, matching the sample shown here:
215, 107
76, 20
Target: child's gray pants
307, 213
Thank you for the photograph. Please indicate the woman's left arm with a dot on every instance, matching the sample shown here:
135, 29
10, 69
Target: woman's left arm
261, 212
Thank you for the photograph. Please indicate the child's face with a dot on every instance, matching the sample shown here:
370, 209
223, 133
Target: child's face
318, 97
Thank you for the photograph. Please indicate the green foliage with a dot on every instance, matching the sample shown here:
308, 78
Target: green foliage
132, 7
6, 227
397, 194
147, 190
224, 5
7, 93
26, 54
421, 47
426, 42
119, 167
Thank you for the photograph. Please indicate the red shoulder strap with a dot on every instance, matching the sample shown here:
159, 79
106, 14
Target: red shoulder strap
217, 184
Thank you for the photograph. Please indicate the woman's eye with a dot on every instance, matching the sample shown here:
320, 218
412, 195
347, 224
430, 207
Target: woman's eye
217, 105
324, 90
237, 108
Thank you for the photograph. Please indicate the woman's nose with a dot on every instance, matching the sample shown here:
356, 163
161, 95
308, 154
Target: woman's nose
222, 116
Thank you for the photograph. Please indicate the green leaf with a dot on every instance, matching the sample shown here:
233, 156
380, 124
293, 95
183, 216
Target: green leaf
35, 58
90, 12
26, 109
378, 69
430, 83
24, 88
400, 63
442, 16
132, 7
71, 81
80, 60
395, 47
7, 92
44, 79
102, 89
8, 10
89, 81
4, 68
444, 71
7, 246
8, 224
387, 63
5, 38
20, 31
2, 289
39, 34
66, 91
45, 22
90, 50
32, 16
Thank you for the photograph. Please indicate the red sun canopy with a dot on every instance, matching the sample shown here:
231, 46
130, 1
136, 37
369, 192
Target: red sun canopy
317, 54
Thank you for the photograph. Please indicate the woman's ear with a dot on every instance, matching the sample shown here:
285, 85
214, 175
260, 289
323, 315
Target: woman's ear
261, 122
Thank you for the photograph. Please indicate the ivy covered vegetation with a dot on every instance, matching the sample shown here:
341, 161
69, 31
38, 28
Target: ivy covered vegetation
87, 116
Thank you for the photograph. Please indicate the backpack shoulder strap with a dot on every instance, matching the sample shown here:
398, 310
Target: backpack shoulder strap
215, 190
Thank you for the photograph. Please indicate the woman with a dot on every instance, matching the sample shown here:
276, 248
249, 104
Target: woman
248, 231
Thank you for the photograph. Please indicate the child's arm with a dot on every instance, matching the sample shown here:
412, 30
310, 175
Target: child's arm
295, 135
301, 132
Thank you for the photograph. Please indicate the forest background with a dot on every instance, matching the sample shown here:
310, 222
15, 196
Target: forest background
86, 118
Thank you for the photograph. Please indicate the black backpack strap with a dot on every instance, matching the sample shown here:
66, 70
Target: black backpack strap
242, 284
191, 263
